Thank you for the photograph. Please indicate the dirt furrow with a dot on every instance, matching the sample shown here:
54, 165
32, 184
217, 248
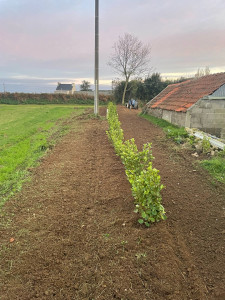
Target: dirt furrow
76, 235
195, 207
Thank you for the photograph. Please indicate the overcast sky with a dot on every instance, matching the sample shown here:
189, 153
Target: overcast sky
53, 40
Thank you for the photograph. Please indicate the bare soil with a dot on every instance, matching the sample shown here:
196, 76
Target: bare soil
71, 232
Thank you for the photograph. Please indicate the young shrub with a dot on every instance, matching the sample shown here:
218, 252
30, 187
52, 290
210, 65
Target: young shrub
144, 180
146, 191
135, 161
115, 133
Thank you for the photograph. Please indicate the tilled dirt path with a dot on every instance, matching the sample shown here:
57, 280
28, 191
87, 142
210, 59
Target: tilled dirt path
74, 234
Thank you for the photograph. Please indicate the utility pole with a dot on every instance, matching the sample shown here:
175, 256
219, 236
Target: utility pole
96, 98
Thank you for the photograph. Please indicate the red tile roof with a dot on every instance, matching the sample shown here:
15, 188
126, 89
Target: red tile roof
181, 96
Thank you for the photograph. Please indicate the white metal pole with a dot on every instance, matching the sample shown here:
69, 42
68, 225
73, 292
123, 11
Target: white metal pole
96, 96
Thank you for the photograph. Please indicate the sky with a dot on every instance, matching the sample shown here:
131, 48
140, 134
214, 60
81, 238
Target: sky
43, 42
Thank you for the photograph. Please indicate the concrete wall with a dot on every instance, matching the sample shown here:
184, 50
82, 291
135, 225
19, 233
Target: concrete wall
208, 114
177, 118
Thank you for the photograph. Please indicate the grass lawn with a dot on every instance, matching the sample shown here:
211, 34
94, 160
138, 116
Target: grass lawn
25, 135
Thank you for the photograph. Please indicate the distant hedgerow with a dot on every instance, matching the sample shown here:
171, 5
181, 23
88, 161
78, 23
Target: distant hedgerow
45, 98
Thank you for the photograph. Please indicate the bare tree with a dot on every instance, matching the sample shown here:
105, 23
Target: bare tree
202, 72
131, 58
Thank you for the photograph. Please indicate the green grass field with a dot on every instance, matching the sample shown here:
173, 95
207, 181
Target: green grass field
25, 135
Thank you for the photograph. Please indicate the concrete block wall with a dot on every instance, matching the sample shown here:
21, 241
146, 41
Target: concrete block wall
208, 114
167, 115
156, 112
176, 118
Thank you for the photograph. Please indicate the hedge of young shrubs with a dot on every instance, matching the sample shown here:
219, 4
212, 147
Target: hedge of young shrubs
144, 179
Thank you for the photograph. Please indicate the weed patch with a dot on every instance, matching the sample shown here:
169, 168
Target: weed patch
216, 167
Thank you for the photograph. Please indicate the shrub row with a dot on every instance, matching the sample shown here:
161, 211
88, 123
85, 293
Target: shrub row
144, 179
25, 98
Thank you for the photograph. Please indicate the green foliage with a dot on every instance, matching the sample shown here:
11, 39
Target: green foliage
146, 190
153, 85
85, 86
177, 134
141, 255
206, 146
216, 167
157, 121
25, 135
144, 179
115, 133
133, 90
24, 98
222, 153
191, 139
135, 161
144, 90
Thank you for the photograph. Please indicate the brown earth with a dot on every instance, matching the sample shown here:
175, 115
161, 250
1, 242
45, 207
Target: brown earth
71, 232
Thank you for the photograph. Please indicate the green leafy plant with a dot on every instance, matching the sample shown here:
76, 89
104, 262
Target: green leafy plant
141, 255
115, 133
205, 145
192, 140
134, 160
123, 243
146, 190
144, 179
216, 167
222, 153
106, 235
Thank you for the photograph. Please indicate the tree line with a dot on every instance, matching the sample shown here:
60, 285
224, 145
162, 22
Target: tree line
140, 89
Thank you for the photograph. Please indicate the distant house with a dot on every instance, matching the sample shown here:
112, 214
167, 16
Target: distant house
195, 103
65, 88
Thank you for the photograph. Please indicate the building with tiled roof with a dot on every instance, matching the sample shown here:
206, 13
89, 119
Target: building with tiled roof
195, 103
63, 88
